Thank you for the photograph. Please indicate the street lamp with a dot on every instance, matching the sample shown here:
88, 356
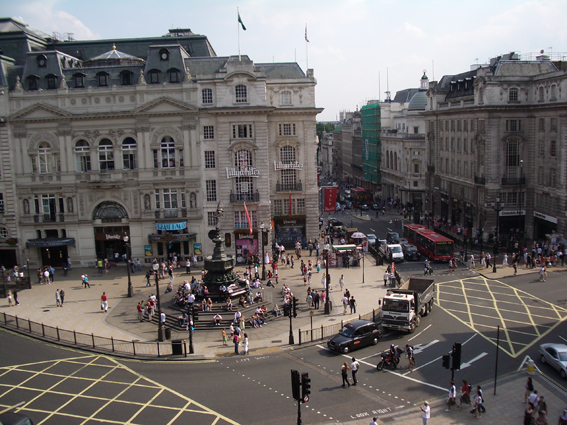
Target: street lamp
327, 247
29, 277
263, 229
496, 206
161, 331
129, 255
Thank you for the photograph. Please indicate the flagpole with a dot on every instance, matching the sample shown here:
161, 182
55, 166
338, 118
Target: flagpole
238, 25
306, 50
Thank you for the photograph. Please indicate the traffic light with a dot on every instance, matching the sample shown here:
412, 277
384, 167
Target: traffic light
305, 387
456, 356
295, 384
294, 300
286, 310
446, 361
195, 313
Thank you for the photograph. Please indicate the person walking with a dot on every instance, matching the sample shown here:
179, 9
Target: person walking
529, 389
425, 412
542, 273
140, 310
373, 421
354, 369
15, 295
472, 262
10, 301
562, 418
352, 304
344, 373
477, 403
342, 282
85, 281
57, 298
345, 302
224, 338
451, 397
236, 342
104, 302
542, 412
245, 344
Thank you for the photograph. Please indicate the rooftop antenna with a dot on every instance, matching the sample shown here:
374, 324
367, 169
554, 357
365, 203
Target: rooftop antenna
550, 53
379, 89
433, 69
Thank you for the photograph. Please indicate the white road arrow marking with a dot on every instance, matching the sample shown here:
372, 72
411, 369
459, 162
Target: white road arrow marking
419, 349
467, 364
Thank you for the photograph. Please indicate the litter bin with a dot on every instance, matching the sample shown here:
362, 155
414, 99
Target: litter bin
379, 261
167, 333
531, 366
177, 347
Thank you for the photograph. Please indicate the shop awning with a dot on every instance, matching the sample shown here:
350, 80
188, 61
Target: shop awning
343, 248
49, 242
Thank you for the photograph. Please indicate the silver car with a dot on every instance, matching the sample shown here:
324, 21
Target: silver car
556, 356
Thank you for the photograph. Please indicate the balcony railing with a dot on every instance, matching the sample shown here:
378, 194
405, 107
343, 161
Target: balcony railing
479, 180
240, 198
289, 187
513, 181
48, 218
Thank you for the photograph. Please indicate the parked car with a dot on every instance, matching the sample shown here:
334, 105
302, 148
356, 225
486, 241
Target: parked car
364, 207
375, 207
371, 238
14, 419
355, 335
556, 356
410, 251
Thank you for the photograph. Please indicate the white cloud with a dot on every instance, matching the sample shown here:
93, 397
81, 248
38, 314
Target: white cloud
413, 31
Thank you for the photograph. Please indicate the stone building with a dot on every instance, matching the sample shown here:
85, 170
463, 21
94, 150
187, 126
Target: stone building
497, 134
144, 137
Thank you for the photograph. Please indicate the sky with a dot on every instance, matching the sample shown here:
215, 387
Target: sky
358, 49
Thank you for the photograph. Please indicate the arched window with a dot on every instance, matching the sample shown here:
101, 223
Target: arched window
553, 93
129, 150
513, 94
207, 95
79, 80
109, 212
106, 155
44, 158
241, 94
167, 152
288, 177
82, 156
51, 81
243, 161
33, 82
285, 97
154, 76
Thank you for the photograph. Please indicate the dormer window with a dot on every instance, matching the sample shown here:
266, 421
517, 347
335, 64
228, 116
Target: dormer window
79, 80
33, 82
41, 61
102, 78
51, 82
513, 95
241, 94
173, 75
164, 55
154, 76
286, 97
126, 78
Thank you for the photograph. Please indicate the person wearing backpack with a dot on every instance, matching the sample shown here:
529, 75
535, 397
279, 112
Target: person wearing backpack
465, 394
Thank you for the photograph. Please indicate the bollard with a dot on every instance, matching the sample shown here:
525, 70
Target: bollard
299, 336
112, 342
530, 367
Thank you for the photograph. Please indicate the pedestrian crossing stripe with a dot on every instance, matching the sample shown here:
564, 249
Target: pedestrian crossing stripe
483, 305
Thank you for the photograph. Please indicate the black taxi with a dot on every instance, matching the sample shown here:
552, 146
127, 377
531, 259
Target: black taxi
355, 335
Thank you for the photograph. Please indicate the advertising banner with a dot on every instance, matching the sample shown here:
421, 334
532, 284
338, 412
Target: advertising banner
330, 199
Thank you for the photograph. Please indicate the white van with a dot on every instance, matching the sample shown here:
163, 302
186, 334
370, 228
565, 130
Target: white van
395, 253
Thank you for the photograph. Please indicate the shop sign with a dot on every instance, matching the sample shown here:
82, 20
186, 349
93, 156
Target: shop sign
171, 226
115, 237
240, 236
46, 243
278, 165
243, 172
289, 221
545, 217
508, 213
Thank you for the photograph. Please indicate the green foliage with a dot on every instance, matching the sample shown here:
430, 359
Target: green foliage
324, 127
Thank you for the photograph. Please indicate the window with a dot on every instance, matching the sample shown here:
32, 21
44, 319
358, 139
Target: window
126, 78
51, 82
447, 125
242, 131
466, 169
465, 145
41, 61
541, 124
2, 203
453, 167
102, 79
416, 168
552, 177
300, 206
540, 175
512, 159
278, 206
541, 94
553, 148
82, 156
241, 221
164, 55
169, 198
210, 159
129, 150
46, 205
458, 145
242, 161
208, 132
472, 146
240, 93
512, 199
513, 95
211, 188
541, 148
553, 124
211, 219
33, 82
459, 169
287, 177
466, 125
458, 125
416, 130
513, 125
79, 80
481, 126
154, 76
3, 232
167, 153
173, 76
452, 144
106, 155
472, 125
287, 129
286, 98
44, 158
446, 143
553, 94
207, 96
415, 183
452, 125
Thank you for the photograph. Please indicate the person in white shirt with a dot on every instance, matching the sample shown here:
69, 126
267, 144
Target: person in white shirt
452, 396
354, 368
373, 421
426, 412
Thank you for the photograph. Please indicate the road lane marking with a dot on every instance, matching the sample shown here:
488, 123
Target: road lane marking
390, 371
415, 336
421, 348
470, 362
562, 338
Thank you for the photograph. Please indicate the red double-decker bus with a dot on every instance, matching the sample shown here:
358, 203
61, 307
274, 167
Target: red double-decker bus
431, 244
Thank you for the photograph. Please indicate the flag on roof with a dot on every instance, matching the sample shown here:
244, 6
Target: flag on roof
306, 39
241, 23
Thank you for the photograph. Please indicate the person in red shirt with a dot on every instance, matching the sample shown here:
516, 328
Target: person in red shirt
104, 302
140, 311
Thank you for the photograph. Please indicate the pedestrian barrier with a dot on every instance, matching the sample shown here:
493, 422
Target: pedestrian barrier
93, 342
320, 333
